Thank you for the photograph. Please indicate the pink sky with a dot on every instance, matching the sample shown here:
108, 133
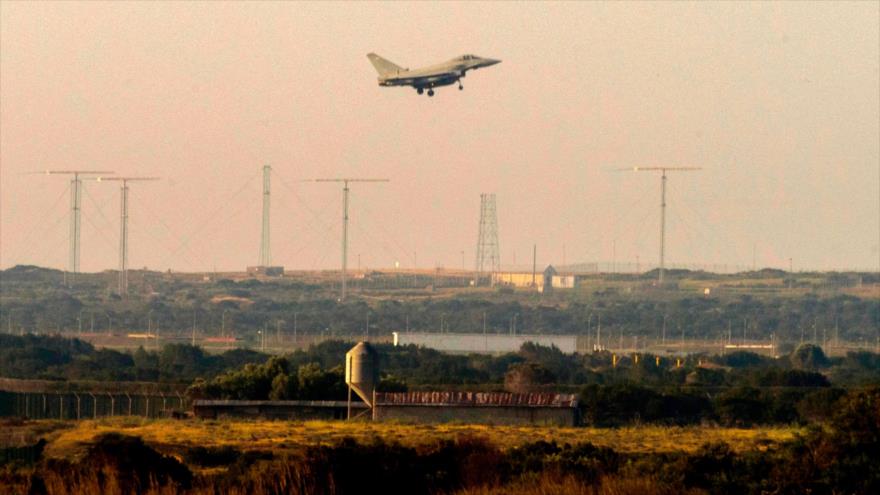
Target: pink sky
779, 102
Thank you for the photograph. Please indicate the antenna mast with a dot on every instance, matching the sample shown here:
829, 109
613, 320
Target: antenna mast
122, 282
265, 246
663, 171
75, 217
345, 181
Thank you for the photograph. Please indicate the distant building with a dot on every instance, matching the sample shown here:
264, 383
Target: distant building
567, 280
549, 279
266, 271
490, 343
519, 279
563, 281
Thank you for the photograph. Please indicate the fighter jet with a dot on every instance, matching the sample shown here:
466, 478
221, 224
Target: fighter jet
428, 78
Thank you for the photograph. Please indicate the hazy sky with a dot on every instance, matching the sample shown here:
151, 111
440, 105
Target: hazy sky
778, 102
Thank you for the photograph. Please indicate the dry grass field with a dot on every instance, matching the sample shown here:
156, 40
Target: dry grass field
68, 439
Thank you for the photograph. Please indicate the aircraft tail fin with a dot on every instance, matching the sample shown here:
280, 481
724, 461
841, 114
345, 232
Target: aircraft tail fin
384, 67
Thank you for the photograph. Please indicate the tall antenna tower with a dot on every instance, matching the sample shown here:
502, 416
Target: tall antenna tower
122, 281
265, 247
345, 182
488, 256
663, 171
75, 217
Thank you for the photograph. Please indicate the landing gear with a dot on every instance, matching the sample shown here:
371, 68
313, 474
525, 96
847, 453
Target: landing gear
460, 87
430, 92
420, 90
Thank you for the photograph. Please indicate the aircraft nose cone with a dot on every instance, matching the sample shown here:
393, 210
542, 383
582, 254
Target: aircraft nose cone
492, 61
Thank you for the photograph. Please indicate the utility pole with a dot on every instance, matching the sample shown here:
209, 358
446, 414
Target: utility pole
122, 282
75, 217
345, 182
613, 258
663, 171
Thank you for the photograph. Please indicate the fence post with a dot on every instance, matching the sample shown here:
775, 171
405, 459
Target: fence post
94, 406
147, 409
60, 407
112, 404
77, 405
129, 403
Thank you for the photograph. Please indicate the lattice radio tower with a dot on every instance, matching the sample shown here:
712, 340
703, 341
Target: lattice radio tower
488, 257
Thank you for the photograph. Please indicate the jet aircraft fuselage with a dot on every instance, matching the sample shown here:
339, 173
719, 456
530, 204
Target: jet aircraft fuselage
428, 78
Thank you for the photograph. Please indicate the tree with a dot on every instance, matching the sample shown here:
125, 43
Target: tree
741, 406
527, 377
808, 357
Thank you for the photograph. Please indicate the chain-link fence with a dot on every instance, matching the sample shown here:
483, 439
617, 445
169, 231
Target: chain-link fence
88, 405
